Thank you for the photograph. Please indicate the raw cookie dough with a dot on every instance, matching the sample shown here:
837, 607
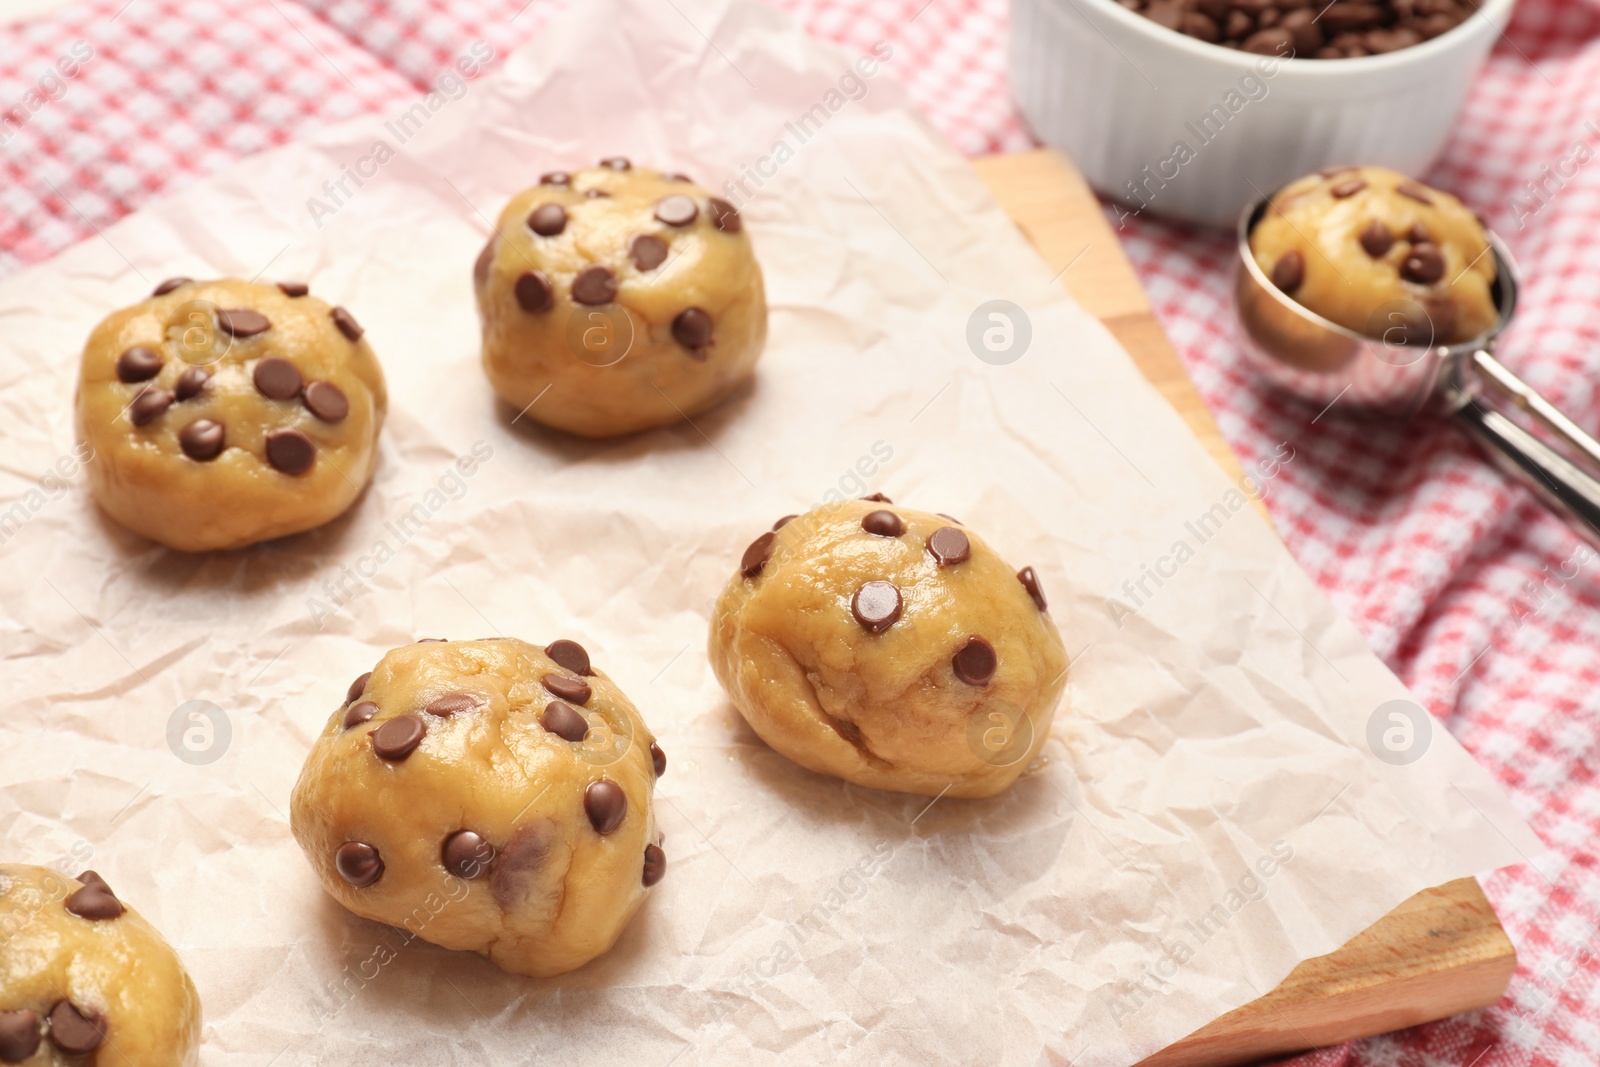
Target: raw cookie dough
228, 412
85, 980
486, 795
632, 296
891, 648
1380, 254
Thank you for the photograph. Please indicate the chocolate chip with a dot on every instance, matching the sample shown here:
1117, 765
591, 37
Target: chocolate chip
1030, 582
1289, 271
242, 322
1348, 188
19, 1035
568, 688
658, 759
1424, 265
290, 451
399, 737
357, 714
481, 265
655, 865
594, 285
555, 177
358, 863
276, 378
648, 251
150, 402
431, 641
571, 655
138, 364
675, 177
1377, 238
451, 704
565, 721
1418, 234
677, 210
724, 215
326, 401
191, 382
347, 324
547, 220
692, 328
597, 194
467, 854
170, 284
73, 1031
91, 876
786, 520
949, 546
975, 662
1414, 191
876, 606
616, 163
95, 901
756, 556
949, 518
294, 289
202, 439
883, 523
357, 687
605, 803
878, 498
533, 291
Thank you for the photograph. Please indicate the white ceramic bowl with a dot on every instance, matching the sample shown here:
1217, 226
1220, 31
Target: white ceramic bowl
1128, 100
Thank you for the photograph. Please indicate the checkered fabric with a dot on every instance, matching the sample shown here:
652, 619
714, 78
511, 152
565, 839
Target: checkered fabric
1465, 585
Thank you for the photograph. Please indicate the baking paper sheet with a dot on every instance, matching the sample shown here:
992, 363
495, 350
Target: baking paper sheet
1211, 812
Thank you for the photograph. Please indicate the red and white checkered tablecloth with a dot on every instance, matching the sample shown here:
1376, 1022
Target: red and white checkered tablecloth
1461, 582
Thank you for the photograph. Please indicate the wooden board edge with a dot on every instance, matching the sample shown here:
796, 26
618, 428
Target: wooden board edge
1440, 953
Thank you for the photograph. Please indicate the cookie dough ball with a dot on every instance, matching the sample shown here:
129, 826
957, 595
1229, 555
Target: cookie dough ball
1381, 255
618, 298
486, 795
85, 980
223, 413
891, 648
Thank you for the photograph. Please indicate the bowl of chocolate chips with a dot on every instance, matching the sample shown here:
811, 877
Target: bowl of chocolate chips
1190, 109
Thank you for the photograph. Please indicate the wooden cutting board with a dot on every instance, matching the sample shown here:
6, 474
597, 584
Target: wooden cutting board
1441, 952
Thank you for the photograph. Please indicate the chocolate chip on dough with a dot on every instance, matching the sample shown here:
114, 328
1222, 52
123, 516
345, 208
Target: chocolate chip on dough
467, 854
1030, 582
876, 606
202, 439
358, 863
975, 662
149, 404
655, 865
276, 378
565, 721
326, 401
648, 251
347, 324
138, 364
398, 738
756, 556
290, 451
533, 291
949, 546
170, 284
242, 322
883, 523
568, 688
594, 285
73, 1031
571, 655
606, 804
548, 220
677, 210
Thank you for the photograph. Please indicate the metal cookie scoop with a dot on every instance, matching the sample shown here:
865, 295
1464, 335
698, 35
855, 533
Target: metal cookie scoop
1400, 372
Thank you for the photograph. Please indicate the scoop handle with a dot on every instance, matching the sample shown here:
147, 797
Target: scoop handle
1567, 479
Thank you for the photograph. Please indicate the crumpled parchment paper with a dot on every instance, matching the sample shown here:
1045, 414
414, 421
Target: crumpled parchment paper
1211, 813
